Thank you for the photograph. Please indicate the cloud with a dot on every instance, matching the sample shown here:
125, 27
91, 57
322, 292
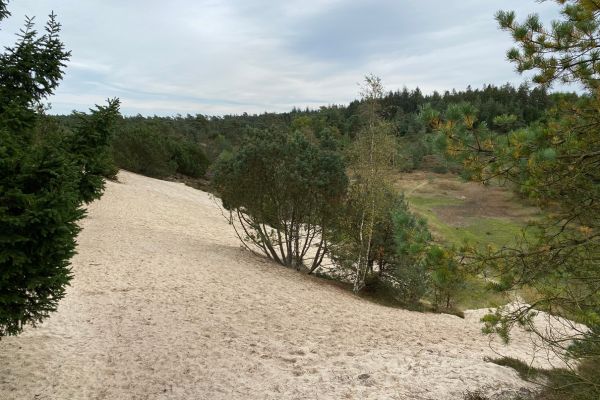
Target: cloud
234, 56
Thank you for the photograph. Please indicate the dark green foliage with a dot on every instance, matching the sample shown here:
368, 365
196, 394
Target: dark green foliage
555, 163
89, 145
149, 148
46, 174
528, 105
411, 240
143, 151
414, 151
398, 253
526, 372
447, 275
29, 72
189, 158
39, 208
476, 395
558, 384
217, 135
568, 51
284, 191
402, 259
405, 265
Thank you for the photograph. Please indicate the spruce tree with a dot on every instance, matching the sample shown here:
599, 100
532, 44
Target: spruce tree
46, 174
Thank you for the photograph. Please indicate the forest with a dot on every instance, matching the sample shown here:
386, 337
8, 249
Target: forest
315, 190
153, 146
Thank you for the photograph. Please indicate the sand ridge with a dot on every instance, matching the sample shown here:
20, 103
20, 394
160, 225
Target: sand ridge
165, 304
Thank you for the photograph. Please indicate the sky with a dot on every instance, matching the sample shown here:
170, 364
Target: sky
233, 56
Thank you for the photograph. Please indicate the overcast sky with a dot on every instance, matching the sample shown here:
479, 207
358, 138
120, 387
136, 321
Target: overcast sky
233, 56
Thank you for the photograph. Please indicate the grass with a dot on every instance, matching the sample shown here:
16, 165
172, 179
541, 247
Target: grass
460, 213
525, 371
476, 294
478, 230
457, 213
560, 384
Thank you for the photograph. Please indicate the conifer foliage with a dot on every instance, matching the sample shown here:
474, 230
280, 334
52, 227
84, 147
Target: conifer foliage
282, 191
556, 165
46, 174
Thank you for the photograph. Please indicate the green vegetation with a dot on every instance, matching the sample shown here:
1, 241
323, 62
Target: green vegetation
475, 293
555, 164
311, 186
476, 230
286, 190
148, 150
281, 192
557, 384
147, 145
47, 173
368, 202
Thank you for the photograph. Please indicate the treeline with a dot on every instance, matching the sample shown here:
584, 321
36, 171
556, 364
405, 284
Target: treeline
187, 145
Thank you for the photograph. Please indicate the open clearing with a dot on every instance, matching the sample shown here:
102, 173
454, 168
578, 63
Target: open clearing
459, 211
165, 304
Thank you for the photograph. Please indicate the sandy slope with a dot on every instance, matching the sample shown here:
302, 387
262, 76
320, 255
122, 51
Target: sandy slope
166, 305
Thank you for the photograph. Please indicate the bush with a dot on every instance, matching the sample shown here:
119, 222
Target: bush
447, 276
190, 159
476, 395
411, 240
143, 152
560, 384
397, 259
147, 150
39, 209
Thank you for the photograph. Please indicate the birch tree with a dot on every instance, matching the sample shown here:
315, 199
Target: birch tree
371, 158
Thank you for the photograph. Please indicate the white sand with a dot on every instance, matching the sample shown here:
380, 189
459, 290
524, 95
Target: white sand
166, 305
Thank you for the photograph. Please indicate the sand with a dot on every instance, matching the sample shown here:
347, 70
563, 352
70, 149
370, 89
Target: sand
165, 304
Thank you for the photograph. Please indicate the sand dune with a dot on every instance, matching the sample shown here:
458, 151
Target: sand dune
165, 304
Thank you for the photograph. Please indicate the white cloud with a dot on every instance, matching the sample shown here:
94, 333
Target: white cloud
231, 56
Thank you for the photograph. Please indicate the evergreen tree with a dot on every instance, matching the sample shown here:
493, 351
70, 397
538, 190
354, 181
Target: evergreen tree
46, 174
556, 164
282, 192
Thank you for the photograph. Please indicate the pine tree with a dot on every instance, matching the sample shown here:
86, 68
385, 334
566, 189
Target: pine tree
282, 192
557, 165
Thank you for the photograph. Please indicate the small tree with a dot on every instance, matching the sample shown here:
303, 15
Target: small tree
282, 193
410, 272
144, 150
447, 275
372, 156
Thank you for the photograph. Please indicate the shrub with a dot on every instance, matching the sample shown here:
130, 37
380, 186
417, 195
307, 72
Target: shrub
143, 151
146, 149
190, 158
397, 262
447, 275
